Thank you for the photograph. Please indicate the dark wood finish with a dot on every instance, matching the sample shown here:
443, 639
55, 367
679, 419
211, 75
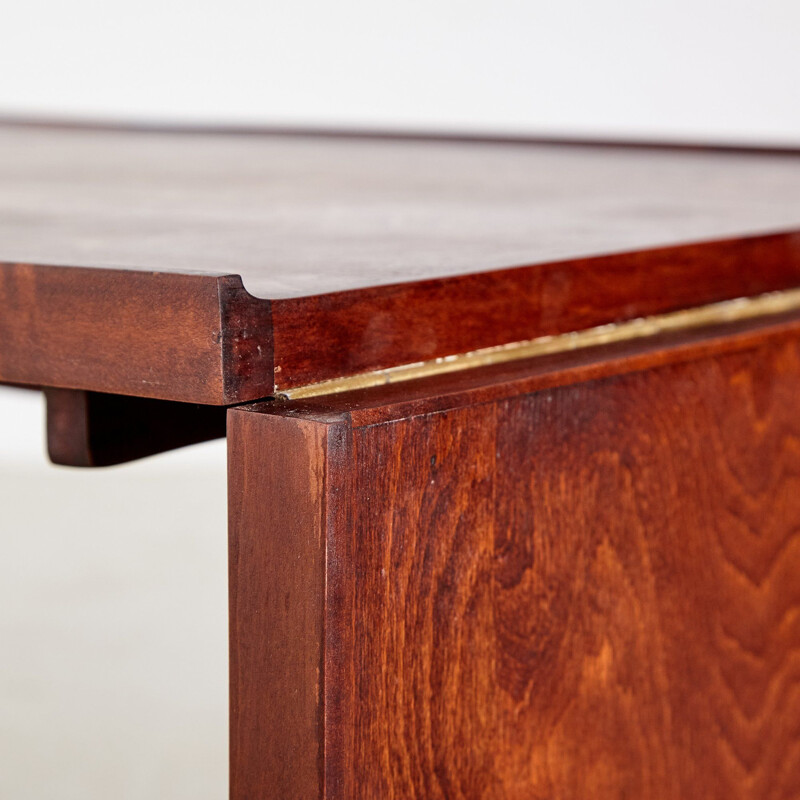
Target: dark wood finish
91, 429
168, 336
490, 384
581, 591
299, 215
574, 577
206, 340
328, 336
277, 480
276, 257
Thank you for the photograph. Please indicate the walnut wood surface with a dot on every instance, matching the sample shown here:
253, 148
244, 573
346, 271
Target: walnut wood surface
583, 591
329, 336
204, 339
187, 338
276, 479
125, 252
299, 215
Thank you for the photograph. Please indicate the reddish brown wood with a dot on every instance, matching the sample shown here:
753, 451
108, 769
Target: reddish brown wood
206, 340
584, 591
90, 429
168, 336
323, 337
489, 384
246, 233
277, 480
300, 215
568, 578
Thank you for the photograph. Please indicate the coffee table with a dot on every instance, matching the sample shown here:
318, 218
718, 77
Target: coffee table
513, 432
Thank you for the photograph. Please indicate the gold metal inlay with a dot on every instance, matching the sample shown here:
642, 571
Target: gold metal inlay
742, 308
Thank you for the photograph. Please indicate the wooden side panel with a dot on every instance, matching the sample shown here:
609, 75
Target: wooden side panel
277, 480
344, 333
587, 592
202, 338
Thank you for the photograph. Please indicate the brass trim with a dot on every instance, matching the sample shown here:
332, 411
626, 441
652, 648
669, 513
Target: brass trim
727, 311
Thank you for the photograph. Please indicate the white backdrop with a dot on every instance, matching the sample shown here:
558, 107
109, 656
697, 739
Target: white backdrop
685, 69
112, 582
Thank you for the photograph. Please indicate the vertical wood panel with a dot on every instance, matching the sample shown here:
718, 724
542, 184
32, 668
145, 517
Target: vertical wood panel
586, 592
277, 508
591, 591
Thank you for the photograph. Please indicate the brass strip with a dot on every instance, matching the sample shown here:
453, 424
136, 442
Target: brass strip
742, 308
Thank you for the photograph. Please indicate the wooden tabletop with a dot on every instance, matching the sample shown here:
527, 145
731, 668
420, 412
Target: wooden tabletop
218, 268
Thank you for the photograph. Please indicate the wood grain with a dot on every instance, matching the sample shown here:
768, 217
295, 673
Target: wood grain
277, 482
500, 381
585, 591
218, 269
324, 337
304, 215
204, 339
186, 338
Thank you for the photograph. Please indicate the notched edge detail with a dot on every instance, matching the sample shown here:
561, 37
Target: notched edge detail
247, 351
